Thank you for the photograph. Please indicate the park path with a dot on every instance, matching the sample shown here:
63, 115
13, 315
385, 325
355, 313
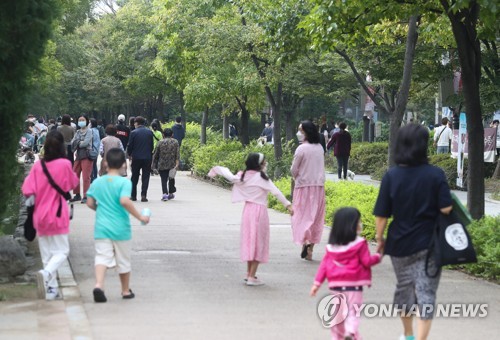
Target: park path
187, 277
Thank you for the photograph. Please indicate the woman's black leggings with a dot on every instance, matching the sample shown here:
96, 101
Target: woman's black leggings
342, 165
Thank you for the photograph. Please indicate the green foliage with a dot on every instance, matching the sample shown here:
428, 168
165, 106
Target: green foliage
485, 235
10, 216
25, 27
191, 142
338, 195
232, 155
366, 158
449, 166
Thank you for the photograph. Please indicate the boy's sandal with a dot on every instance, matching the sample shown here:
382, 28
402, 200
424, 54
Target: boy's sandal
99, 295
131, 295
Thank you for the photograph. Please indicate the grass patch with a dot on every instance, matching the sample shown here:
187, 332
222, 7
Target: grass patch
16, 291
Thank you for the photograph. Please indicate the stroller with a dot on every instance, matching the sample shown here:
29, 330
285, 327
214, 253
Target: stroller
26, 148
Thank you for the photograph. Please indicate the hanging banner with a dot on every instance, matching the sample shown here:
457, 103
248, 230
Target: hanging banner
462, 142
489, 145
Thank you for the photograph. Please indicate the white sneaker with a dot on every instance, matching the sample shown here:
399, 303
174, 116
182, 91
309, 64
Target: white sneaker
254, 282
52, 294
42, 282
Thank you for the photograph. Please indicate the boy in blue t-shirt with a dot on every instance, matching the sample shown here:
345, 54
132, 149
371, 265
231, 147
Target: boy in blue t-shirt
109, 196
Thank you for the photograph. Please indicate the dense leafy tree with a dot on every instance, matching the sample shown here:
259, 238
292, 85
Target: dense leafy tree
21, 47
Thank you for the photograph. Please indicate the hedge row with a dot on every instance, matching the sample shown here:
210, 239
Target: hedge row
339, 194
485, 235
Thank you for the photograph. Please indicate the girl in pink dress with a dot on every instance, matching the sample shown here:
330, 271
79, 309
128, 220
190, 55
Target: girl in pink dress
252, 187
347, 267
308, 172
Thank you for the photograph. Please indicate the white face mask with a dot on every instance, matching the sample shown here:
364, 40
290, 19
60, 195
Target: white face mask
300, 136
82, 124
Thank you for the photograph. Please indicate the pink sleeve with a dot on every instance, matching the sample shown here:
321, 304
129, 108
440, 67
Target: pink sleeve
366, 259
321, 274
29, 184
297, 159
73, 178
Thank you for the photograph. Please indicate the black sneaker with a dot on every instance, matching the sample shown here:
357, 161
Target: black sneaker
144, 199
133, 199
76, 198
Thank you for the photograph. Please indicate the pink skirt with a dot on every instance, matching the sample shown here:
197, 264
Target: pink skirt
255, 233
308, 218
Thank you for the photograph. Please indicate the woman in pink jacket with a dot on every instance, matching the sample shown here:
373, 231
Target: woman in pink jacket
51, 216
347, 267
308, 172
252, 187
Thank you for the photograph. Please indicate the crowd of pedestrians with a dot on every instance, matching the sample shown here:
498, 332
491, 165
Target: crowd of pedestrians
70, 153
412, 193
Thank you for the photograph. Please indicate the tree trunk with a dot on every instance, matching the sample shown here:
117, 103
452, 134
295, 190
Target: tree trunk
366, 129
404, 88
393, 133
289, 128
245, 118
183, 112
244, 133
204, 121
394, 111
225, 127
464, 27
276, 105
290, 104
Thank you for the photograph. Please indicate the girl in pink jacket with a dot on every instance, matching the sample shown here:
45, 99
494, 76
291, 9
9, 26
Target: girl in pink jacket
347, 267
51, 214
252, 187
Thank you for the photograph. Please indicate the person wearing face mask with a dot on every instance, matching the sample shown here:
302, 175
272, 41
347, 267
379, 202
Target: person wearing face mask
308, 172
81, 146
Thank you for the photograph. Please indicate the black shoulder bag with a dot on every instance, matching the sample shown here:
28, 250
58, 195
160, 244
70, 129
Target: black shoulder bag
451, 243
66, 195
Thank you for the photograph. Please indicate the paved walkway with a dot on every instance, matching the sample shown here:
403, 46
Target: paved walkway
187, 277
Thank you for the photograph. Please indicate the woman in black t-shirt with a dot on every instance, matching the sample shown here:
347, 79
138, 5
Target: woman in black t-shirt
413, 193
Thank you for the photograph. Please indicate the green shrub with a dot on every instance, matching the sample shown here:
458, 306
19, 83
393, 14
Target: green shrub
226, 153
366, 158
232, 155
339, 194
485, 235
191, 141
449, 166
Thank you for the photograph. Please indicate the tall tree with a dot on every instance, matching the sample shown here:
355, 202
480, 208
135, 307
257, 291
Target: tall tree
344, 27
464, 16
21, 47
